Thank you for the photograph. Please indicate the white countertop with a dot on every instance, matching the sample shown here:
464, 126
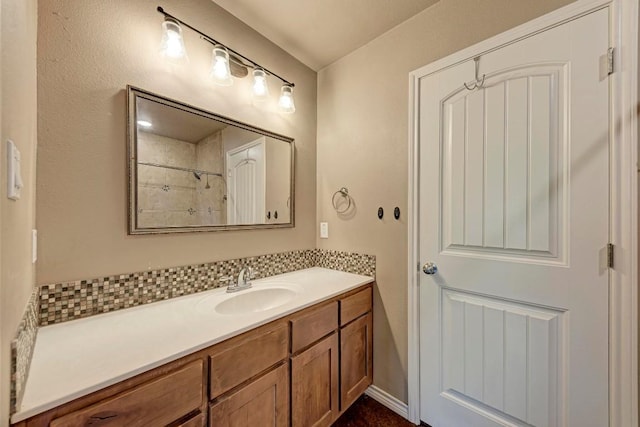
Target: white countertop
75, 358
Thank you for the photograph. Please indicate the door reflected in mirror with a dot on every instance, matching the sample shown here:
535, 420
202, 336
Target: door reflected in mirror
192, 170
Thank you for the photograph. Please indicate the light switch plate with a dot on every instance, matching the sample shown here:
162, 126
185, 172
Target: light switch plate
324, 230
14, 178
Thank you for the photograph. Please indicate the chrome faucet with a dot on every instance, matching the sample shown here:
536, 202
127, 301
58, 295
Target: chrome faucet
243, 282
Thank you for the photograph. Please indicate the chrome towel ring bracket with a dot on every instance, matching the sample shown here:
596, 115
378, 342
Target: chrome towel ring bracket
341, 200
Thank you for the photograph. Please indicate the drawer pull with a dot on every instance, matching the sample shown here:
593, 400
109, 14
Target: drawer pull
101, 418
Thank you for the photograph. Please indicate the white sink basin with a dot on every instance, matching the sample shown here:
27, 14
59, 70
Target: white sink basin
253, 300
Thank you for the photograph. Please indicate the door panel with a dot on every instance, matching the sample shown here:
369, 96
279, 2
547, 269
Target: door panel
501, 355
514, 195
502, 195
246, 183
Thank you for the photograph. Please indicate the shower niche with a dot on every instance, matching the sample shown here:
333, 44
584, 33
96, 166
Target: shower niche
193, 170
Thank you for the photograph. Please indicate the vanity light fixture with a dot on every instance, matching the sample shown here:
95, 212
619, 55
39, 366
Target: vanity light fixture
172, 44
286, 99
220, 71
225, 60
145, 123
260, 85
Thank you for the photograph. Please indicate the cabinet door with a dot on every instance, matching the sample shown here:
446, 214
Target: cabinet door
261, 403
356, 359
314, 384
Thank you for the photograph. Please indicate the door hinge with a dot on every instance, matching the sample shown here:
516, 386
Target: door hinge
610, 255
610, 58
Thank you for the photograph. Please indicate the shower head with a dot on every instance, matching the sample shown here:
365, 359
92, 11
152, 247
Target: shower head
197, 175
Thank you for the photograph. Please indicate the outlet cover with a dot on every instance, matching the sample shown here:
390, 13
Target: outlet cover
324, 230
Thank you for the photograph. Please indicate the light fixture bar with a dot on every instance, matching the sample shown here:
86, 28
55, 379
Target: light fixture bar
215, 42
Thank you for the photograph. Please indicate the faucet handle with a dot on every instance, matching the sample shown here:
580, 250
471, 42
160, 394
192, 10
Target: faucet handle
227, 279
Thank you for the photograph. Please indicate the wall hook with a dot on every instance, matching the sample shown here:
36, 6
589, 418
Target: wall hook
479, 83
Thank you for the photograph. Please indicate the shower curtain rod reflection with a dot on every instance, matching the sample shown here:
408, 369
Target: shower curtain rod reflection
196, 171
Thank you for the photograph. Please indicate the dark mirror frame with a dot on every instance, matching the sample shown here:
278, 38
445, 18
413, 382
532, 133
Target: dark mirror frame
132, 94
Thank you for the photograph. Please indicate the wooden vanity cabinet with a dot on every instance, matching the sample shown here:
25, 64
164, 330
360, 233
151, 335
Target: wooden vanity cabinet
314, 366
239, 359
302, 370
263, 402
314, 384
356, 346
158, 402
249, 378
172, 395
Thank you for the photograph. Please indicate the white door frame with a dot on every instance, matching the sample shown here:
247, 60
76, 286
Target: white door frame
623, 283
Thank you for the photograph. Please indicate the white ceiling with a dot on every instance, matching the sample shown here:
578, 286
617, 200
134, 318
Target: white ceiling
318, 32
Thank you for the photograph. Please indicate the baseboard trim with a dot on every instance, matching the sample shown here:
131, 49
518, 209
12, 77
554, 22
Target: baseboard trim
384, 398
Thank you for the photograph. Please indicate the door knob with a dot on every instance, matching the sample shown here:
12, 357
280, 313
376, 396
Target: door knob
429, 268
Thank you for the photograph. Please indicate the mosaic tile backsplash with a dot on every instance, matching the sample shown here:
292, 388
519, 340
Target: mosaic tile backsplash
346, 261
22, 349
61, 302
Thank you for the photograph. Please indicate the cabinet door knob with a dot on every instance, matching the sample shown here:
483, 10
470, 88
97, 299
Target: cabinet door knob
429, 268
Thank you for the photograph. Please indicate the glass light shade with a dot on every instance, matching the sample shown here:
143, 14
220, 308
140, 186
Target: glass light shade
220, 72
286, 99
260, 86
172, 44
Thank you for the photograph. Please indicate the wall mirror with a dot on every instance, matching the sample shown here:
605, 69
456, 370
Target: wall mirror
193, 170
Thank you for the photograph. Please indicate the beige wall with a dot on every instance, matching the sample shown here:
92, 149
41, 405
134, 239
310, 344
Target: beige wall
18, 32
362, 144
88, 52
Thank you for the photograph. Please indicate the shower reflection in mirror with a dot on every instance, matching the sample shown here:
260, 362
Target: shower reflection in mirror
194, 170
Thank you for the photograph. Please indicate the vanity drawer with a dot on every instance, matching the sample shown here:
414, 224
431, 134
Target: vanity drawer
239, 359
156, 403
355, 306
313, 325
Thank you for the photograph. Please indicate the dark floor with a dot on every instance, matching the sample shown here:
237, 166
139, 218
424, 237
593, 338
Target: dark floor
366, 412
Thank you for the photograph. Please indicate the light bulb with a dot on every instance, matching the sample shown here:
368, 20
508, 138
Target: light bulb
260, 85
172, 45
286, 99
145, 123
220, 72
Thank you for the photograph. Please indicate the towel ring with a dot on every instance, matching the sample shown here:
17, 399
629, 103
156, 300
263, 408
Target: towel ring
335, 200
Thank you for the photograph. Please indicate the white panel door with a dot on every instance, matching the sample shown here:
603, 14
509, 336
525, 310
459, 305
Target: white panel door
514, 212
246, 183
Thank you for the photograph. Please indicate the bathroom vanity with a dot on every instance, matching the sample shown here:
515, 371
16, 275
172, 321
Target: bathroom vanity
295, 349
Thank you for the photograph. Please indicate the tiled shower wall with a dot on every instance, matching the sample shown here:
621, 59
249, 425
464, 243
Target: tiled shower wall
169, 197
